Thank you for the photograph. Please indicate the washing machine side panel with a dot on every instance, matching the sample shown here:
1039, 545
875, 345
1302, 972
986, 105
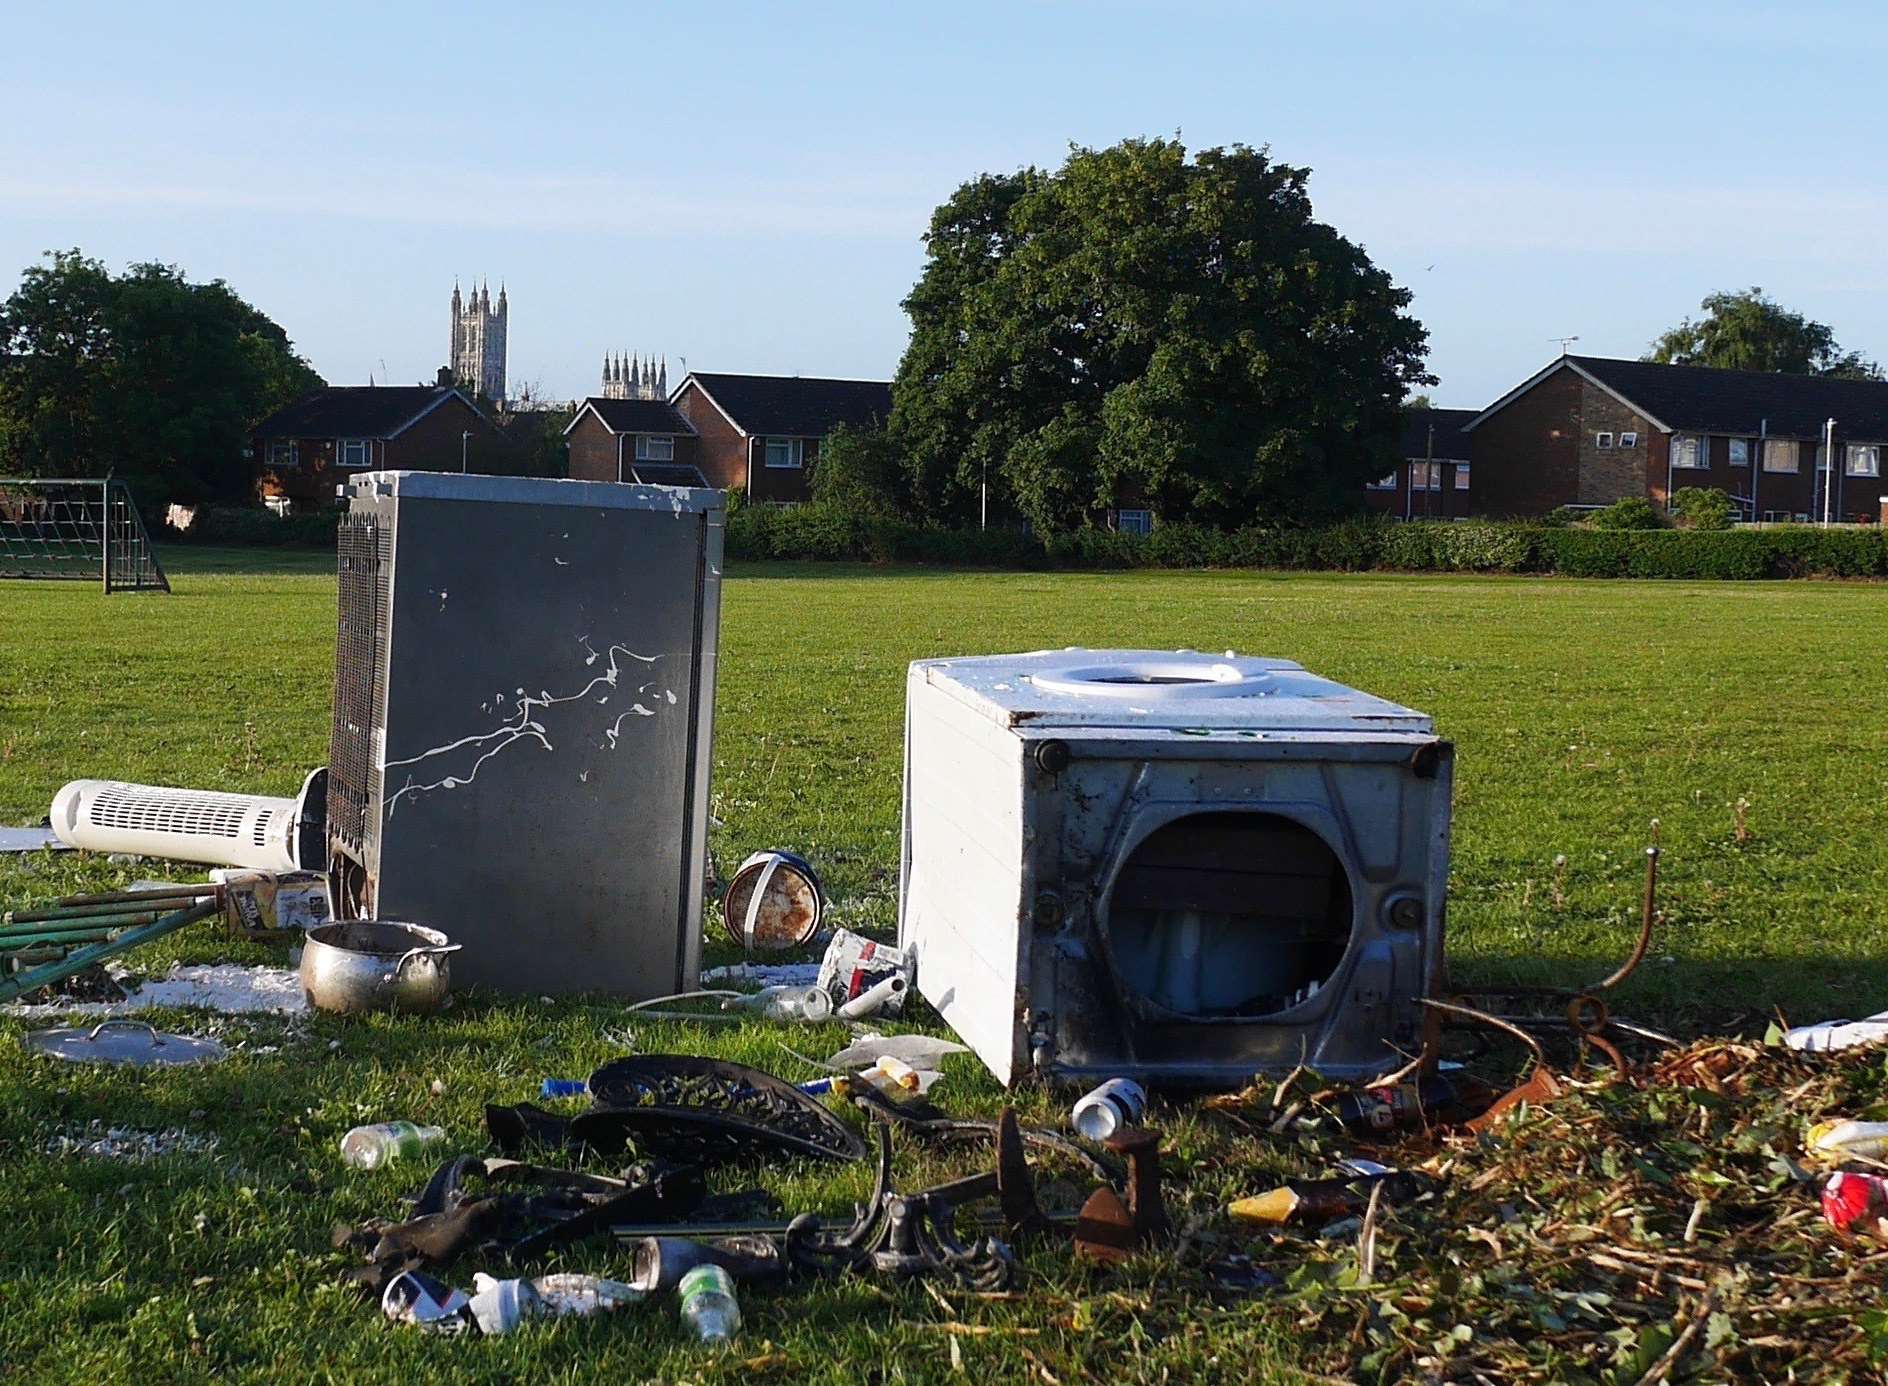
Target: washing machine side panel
961, 895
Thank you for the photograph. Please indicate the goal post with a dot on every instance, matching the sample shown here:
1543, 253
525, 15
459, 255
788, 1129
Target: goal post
80, 529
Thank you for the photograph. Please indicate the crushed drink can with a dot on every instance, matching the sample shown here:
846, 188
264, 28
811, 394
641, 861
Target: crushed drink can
1857, 1203
1115, 1105
854, 965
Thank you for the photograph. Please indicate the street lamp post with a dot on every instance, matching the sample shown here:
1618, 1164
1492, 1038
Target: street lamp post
464, 438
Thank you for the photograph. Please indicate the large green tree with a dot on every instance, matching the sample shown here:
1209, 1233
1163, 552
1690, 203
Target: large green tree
1138, 323
144, 374
1749, 332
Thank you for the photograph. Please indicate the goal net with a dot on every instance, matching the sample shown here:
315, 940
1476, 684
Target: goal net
86, 530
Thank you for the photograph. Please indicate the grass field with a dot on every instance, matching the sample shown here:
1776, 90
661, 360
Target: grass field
1581, 711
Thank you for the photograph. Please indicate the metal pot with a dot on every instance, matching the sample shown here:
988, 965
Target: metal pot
370, 965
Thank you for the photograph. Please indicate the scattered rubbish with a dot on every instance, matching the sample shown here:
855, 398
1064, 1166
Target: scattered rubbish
498, 1306
708, 1305
31, 840
1308, 1200
415, 1298
129, 1042
773, 902
785, 1003
366, 965
855, 965
268, 904
229, 988
661, 1262
766, 974
1844, 1139
99, 1141
880, 996
920, 1051
581, 1296
690, 1110
370, 1147
1831, 1035
912, 1234
1857, 1203
897, 1072
1117, 1103
1105, 1230
60, 940
1111, 1230
564, 1087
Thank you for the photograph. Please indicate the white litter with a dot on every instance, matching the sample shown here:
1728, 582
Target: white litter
1838, 1034
229, 988
919, 1051
765, 974
124, 1143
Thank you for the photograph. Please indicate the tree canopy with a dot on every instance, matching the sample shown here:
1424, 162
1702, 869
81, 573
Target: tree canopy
143, 374
1140, 327
1749, 332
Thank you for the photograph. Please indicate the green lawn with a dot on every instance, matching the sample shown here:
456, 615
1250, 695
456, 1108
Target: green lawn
1581, 711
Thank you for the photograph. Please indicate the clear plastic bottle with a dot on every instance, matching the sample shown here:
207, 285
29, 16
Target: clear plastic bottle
370, 1147
709, 1307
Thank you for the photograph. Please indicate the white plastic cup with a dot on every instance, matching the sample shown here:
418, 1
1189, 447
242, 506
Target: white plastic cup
1117, 1103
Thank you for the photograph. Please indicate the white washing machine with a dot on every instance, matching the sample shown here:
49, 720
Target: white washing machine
1180, 867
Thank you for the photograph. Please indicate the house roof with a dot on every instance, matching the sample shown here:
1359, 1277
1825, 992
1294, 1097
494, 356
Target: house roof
802, 406
1704, 399
358, 411
1451, 442
635, 416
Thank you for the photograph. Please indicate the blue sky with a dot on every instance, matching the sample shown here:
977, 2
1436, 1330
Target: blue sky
745, 185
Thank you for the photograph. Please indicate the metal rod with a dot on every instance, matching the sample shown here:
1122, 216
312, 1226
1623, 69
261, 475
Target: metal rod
182, 890
67, 922
38, 977
67, 937
1648, 916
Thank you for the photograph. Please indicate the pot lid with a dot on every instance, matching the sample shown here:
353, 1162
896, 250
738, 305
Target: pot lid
125, 1042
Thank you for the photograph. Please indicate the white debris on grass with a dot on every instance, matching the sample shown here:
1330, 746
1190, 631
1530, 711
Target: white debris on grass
764, 974
230, 988
1831, 1035
126, 1143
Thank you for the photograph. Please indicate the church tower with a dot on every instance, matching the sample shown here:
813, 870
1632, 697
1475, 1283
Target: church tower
634, 378
478, 341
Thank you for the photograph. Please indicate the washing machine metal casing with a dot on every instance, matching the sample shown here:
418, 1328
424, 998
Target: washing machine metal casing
1180, 867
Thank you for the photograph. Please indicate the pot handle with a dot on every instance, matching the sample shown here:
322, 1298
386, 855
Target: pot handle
393, 974
116, 1024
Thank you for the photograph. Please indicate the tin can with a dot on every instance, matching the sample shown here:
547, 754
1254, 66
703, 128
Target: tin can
1116, 1104
773, 902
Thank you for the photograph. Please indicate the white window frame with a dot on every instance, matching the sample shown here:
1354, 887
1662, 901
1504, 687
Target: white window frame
1739, 452
647, 444
366, 446
1603, 441
1134, 521
1629, 440
1461, 476
1385, 483
1869, 452
1425, 476
284, 454
1780, 449
1693, 445
796, 453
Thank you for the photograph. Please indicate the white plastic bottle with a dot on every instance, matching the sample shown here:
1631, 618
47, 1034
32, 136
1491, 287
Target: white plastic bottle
708, 1304
370, 1147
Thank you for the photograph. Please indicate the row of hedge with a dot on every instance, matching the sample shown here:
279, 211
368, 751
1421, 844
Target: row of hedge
252, 526
815, 533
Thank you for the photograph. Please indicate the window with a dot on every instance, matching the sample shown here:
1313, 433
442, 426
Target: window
1628, 440
355, 452
282, 453
1776, 517
1740, 452
1133, 521
1383, 483
1461, 476
1602, 441
1864, 459
784, 452
1425, 476
1779, 454
1688, 451
653, 448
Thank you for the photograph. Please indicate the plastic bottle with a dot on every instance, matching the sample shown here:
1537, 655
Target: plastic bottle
370, 1147
1841, 1139
708, 1304
563, 1087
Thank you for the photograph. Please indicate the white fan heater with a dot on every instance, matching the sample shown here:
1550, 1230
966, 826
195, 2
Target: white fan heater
200, 825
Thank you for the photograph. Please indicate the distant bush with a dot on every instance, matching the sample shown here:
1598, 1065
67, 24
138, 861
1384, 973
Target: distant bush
1703, 507
254, 526
1631, 512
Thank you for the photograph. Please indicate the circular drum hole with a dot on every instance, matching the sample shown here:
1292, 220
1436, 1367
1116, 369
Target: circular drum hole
1230, 915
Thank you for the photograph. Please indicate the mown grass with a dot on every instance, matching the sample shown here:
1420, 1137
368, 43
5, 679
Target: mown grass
1581, 711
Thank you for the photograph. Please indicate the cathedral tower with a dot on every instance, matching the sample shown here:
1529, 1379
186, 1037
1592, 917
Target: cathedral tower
478, 341
633, 378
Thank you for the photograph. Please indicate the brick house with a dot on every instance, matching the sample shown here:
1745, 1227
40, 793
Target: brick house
1432, 480
763, 432
304, 450
640, 440
1590, 430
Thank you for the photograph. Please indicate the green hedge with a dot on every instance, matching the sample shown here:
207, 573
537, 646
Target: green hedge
252, 525
810, 532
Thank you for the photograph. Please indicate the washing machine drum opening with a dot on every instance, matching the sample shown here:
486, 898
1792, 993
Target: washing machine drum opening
1229, 916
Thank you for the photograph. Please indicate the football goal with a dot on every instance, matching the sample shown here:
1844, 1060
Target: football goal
85, 530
